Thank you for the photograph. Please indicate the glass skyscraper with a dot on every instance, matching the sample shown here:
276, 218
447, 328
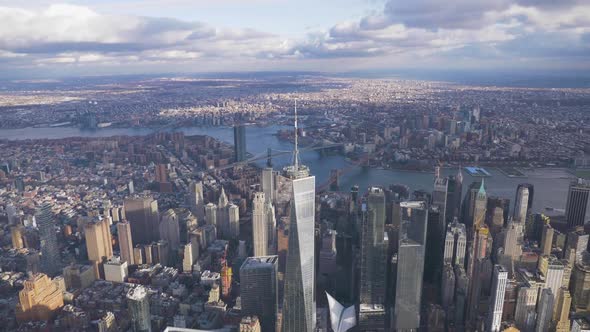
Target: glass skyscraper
299, 308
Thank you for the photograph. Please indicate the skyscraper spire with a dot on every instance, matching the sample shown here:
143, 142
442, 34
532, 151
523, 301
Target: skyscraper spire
296, 149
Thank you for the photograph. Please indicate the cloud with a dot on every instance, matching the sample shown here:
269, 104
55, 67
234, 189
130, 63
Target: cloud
70, 34
403, 33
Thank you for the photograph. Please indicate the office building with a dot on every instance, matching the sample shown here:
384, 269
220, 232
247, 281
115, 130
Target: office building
554, 275
39, 300
372, 318
455, 243
526, 303
454, 196
410, 265
299, 308
190, 251
170, 229
547, 239
250, 324
577, 203
50, 255
513, 240
439, 199
499, 281
16, 236
268, 184
544, 311
474, 208
448, 286
125, 242
521, 204
211, 214
259, 225
562, 310
373, 248
580, 284
196, 201
138, 305
259, 289
142, 214
234, 221
239, 143
222, 215
577, 240
115, 270
99, 243
78, 276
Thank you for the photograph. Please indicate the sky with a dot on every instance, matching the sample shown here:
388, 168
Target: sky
102, 37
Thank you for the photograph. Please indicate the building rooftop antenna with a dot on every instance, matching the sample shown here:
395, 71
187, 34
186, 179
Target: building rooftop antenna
296, 149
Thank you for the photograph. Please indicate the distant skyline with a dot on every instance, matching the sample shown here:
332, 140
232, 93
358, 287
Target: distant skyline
40, 38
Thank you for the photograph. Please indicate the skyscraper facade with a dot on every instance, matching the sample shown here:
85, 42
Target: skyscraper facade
170, 229
125, 242
259, 289
98, 243
547, 239
142, 214
544, 311
196, 202
299, 308
521, 204
499, 281
239, 143
234, 221
259, 225
268, 184
412, 246
577, 203
50, 256
138, 304
373, 250
455, 244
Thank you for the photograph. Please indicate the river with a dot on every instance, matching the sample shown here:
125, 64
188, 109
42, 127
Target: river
551, 185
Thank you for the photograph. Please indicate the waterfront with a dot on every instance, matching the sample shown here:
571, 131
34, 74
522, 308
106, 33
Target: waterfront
551, 185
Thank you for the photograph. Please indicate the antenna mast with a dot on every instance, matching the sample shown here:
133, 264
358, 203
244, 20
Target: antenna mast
296, 151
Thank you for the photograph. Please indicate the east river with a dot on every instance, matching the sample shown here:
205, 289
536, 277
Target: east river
551, 184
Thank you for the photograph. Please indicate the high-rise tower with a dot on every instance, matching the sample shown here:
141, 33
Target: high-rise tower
299, 308
499, 281
138, 304
373, 250
142, 214
410, 265
577, 203
259, 289
125, 242
50, 258
239, 143
259, 225
521, 204
196, 202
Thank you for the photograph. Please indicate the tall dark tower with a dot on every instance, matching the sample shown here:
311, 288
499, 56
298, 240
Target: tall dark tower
50, 259
577, 203
239, 143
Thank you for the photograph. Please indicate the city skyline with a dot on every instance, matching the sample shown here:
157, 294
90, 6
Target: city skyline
295, 166
53, 39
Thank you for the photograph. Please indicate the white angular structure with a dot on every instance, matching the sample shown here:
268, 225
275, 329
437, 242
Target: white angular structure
341, 319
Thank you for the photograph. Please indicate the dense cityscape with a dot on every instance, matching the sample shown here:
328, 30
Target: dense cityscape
168, 231
295, 166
